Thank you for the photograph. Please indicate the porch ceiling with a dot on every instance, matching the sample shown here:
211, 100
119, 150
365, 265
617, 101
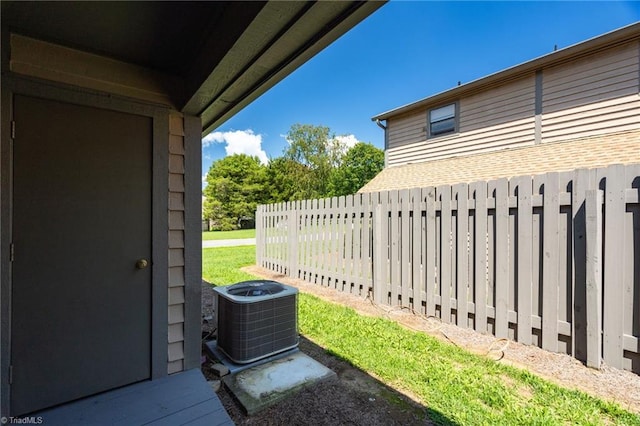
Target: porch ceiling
225, 53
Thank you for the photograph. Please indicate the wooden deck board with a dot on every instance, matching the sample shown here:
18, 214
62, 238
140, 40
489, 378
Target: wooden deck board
183, 398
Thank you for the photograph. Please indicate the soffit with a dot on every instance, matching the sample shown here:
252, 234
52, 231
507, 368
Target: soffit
226, 53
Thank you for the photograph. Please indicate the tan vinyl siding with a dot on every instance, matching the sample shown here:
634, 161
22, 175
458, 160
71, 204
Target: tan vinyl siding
176, 244
176, 333
507, 103
503, 117
594, 95
176, 295
175, 366
407, 129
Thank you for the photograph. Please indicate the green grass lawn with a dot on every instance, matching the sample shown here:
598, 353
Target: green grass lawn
229, 235
461, 387
221, 266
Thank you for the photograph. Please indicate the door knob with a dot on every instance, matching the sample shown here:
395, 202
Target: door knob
142, 263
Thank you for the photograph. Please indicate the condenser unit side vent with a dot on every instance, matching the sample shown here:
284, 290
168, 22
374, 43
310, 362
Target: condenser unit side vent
256, 319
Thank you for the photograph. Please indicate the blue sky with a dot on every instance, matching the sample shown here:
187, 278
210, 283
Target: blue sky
406, 51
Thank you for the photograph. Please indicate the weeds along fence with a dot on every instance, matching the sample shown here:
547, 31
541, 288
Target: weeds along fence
550, 260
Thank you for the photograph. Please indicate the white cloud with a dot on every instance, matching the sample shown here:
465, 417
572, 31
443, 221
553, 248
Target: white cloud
238, 142
348, 140
345, 142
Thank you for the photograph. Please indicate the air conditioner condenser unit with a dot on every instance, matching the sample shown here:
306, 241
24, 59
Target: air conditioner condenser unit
256, 319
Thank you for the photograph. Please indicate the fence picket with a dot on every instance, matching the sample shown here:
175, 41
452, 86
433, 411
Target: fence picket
272, 244
593, 277
395, 269
444, 274
367, 238
340, 240
501, 257
524, 262
379, 252
631, 274
462, 267
404, 285
356, 229
323, 247
613, 285
307, 224
550, 242
431, 278
417, 249
480, 252
335, 241
583, 181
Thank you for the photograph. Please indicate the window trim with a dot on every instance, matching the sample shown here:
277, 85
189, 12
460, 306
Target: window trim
456, 120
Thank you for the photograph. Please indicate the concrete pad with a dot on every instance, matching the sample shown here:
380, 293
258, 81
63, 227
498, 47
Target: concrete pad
261, 386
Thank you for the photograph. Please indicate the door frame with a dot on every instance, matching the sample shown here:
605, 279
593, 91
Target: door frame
13, 85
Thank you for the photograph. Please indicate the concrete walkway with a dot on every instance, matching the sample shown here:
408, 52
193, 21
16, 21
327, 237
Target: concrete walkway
229, 243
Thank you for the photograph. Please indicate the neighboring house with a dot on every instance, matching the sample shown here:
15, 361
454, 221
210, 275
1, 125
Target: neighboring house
103, 108
577, 107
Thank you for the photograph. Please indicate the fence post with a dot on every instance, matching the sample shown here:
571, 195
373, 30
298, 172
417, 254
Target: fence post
593, 225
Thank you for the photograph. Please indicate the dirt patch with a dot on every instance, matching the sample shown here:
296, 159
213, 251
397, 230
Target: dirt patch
355, 397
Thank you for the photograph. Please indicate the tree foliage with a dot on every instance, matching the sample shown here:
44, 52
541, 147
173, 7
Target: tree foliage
283, 180
319, 152
315, 164
235, 187
360, 164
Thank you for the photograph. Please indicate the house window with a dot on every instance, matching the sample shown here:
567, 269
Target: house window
442, 121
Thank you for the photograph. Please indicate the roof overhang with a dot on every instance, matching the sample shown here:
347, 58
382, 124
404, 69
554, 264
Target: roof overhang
618, 37
208, 59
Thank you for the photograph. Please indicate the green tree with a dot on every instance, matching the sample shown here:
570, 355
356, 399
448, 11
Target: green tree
235, 186
283, 177
318, 151
360, 164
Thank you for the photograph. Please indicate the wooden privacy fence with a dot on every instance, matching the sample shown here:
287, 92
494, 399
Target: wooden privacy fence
550, 260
